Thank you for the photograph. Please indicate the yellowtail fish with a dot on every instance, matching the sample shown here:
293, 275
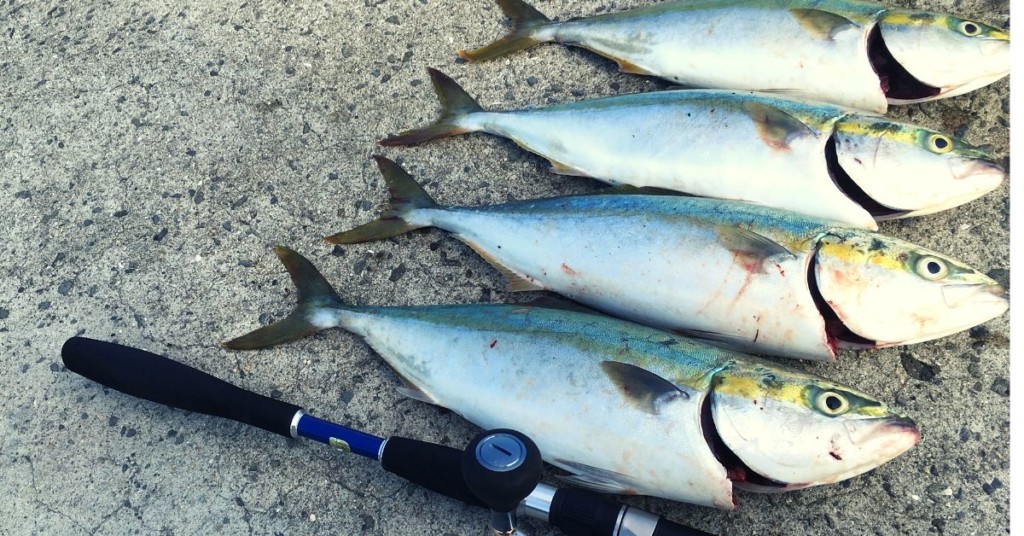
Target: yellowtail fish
758, 279
859, 54
816, 159
624, 408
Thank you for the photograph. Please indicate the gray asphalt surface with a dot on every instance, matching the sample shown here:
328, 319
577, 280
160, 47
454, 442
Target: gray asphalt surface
154, 152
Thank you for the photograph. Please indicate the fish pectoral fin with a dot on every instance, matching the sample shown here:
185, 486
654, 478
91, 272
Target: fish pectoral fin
821, 24
775, 127
645, 390
750, 244
516, 281
595, 479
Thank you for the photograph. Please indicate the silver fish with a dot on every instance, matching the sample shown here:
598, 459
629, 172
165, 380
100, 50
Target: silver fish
758, 279
623, 407
819, 160
859, 54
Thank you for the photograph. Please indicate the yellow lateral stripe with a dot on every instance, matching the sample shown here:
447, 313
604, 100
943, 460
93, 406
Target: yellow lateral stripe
855, 255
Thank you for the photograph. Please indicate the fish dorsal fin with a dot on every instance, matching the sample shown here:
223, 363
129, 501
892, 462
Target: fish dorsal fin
595, 479
748, 243
821, 24
646, 390
516, 282
776, 127
722, 340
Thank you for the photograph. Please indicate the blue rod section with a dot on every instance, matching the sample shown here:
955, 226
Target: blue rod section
339, 437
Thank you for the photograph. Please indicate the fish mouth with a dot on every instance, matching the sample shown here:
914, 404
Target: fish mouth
979, 173
906, 425
887, 438
851, 189
974, 294
896, 82
984, 174
837, 334
736, 471
978, 168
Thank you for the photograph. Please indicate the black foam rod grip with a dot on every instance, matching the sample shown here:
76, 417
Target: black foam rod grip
581, 513
671, 528
159, 379
435, 467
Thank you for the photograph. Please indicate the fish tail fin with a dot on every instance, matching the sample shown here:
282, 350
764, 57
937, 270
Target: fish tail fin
525, 22
455, 105
315, 296
406, 196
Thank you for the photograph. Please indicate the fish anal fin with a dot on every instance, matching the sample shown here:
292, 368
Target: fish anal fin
629, 189
516, 282
411, 391
775, 127
632, 68
643, 389
821, 24
595, 479
751, 248
563, 169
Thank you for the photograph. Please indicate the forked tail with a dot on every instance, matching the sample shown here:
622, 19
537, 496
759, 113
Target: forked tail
406, 196
525, 22
455, 104
316, 297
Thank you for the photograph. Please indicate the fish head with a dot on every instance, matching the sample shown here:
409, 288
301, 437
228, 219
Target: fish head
785, 429
876, 291
946, 53
900, 170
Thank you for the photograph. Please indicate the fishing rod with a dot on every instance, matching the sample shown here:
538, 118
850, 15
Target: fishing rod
499, 470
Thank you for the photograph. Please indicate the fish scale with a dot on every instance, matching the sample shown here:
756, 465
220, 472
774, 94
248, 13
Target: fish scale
863, 55
755, 278
816, 159
597, 234
622, 407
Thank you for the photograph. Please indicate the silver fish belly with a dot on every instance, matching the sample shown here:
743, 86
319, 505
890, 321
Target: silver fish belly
815, 159
863, 55
758, 279
623, 407
752, 46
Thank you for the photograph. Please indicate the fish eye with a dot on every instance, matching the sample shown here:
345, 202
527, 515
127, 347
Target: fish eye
969, 28
832, 403
932, 268
940, 144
